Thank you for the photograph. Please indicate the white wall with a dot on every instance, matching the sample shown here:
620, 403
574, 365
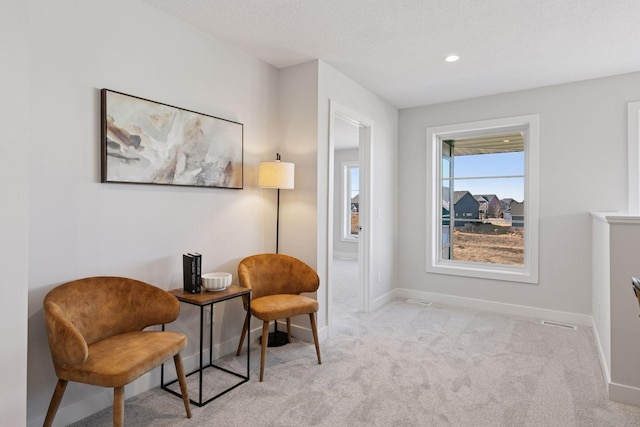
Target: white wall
625, 324
341, 247
337, 87
305, 91
582, 168
616, 244
14, 188
297, 130
80, 227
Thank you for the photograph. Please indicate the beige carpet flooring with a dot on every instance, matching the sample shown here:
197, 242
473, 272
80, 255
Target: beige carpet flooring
407, 364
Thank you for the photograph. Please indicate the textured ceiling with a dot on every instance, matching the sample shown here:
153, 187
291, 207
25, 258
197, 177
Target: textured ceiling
395, 48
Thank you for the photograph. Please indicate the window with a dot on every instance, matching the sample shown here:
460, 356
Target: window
351, 203
483, 199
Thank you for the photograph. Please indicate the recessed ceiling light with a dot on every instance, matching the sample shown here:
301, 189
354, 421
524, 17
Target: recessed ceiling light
452, 58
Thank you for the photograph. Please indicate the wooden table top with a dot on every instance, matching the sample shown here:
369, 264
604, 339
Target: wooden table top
209, 297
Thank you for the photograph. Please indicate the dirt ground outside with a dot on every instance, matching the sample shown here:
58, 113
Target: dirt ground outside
489, 243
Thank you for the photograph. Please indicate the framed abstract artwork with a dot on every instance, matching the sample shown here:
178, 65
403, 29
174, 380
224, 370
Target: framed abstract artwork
147, 142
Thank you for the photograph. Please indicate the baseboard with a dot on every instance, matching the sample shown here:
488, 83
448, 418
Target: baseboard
498, 307
76, 411
382, 300
603, 360
617, 392
624, 394
302, 333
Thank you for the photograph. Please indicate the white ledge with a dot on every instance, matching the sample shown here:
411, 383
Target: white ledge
616, 217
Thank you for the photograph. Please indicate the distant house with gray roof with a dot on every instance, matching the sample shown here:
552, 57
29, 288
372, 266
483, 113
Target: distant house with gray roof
517, 214
465, 207
493, 206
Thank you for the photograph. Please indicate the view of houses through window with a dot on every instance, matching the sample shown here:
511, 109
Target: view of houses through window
352, 200
482, 215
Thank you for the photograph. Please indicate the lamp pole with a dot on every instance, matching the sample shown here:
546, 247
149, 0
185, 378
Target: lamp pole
278, 218
277, 212
277, 175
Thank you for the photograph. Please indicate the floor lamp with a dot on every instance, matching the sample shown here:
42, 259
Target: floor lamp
278, 175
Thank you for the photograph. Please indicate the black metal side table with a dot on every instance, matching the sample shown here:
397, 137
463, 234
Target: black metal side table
203, 300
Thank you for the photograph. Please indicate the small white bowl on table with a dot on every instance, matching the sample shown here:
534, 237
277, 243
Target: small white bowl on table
217, 281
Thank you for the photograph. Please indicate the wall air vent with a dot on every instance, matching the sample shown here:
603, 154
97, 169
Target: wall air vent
559, 325
417, 301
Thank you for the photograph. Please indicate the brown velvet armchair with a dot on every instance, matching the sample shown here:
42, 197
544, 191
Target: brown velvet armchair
276, 282
95, 331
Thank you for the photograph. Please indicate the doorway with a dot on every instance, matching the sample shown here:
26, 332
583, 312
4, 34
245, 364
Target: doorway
346, 216
349, 187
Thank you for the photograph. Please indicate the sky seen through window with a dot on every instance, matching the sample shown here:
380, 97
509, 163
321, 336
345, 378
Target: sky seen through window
491, 165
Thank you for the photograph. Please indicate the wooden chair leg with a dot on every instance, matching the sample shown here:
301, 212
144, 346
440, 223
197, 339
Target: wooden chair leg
55, 402
314, 329
183, 383
288, 329
118, 406
244, 333
265, 340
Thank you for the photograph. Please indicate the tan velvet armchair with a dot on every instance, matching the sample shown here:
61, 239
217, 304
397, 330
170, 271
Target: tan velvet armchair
276, 282
95, 331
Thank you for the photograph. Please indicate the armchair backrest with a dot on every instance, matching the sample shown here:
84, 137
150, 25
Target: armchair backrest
272, 274
84, 311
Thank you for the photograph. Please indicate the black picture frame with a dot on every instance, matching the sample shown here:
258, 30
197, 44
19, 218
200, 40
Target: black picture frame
148, 142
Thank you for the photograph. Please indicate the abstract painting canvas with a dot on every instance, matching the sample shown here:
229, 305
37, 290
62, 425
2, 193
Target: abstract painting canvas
147, 142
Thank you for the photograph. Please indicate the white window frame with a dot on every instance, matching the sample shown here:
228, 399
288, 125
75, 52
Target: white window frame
528, 273
346, 201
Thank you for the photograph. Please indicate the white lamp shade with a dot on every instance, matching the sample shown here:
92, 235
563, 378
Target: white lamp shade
276, 174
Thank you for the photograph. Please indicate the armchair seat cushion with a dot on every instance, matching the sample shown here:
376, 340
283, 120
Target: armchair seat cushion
118, 360
282, 306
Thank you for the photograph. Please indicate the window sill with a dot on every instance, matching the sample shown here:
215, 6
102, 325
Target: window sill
484, 271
